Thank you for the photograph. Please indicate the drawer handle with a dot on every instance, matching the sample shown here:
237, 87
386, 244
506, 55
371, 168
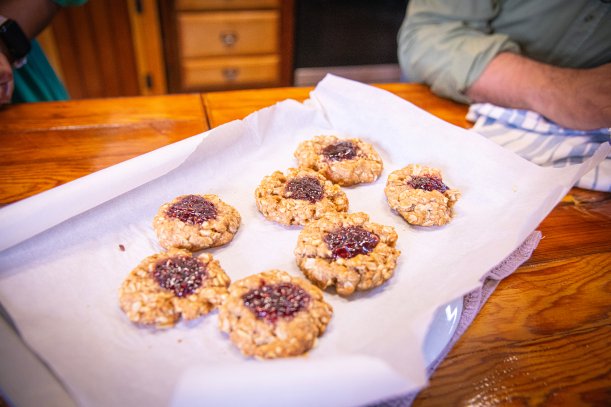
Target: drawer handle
231, 74
229, 38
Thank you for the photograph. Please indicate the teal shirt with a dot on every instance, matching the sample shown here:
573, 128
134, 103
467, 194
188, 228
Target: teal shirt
36, 81
448, 43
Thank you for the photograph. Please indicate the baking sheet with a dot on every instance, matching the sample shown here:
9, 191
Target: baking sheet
61, 286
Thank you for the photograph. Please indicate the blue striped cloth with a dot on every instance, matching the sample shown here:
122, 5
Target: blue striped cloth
543, 142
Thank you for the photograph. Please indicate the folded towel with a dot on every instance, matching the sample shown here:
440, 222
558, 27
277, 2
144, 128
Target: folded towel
543, 142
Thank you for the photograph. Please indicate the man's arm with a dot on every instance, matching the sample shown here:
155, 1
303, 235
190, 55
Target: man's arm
447, 44
575, 98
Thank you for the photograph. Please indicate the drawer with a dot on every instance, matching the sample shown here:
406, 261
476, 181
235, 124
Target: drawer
228, 33
230, 72
225, 4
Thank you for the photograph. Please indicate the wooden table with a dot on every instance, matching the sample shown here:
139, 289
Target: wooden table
544, 336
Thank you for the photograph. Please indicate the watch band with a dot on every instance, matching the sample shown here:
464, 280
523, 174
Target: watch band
15, 41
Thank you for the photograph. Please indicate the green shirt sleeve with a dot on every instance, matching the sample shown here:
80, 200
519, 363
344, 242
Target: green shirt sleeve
36, 81
448, 43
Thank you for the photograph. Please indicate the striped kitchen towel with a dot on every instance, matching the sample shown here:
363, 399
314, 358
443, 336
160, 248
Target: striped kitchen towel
541, 141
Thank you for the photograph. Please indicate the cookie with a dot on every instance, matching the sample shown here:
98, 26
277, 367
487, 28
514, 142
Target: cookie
418, 194
274, 315
195, 222
344, 161
298, 196
347, 251
167, 286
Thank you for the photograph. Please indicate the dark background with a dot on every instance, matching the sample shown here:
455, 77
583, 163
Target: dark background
347, 32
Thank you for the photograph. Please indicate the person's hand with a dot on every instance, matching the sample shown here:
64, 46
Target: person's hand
6, 80
574, 98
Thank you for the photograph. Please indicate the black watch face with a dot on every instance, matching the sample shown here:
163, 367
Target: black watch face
14, 39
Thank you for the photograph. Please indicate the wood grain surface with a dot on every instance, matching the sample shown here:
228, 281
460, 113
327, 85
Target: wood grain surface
44, 145
95, 49
543, 337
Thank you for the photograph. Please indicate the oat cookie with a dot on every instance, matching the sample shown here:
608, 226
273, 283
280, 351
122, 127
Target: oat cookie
298, 196
418, 194
273, 315
167, 286
344, 161
347, 251
196, 222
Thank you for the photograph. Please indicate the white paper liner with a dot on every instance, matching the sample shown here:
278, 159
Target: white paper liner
61, 286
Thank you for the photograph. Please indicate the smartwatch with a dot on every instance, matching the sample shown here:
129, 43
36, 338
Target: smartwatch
16, 42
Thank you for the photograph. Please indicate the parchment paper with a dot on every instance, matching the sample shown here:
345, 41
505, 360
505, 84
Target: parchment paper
61, 286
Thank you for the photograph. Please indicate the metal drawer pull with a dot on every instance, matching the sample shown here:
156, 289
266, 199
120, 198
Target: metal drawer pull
230, 74
229, 38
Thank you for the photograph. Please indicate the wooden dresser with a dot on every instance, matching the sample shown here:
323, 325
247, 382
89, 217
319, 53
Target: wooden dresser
227, 44
150, 47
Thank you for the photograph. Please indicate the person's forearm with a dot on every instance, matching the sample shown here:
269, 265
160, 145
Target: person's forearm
512, 80
31, 15
577, 98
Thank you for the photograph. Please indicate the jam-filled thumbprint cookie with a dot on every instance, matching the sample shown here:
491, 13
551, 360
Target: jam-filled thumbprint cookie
195, 222
418, 194
344, 161
347, 251
273, 314
298, 196
167, 286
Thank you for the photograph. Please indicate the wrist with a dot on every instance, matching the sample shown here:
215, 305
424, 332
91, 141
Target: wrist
554, 87
14, 44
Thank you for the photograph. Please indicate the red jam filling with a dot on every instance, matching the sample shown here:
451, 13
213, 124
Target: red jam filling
428, 183
193, 209
351, 241
273, 301
183, 275
344, 150
305, 188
